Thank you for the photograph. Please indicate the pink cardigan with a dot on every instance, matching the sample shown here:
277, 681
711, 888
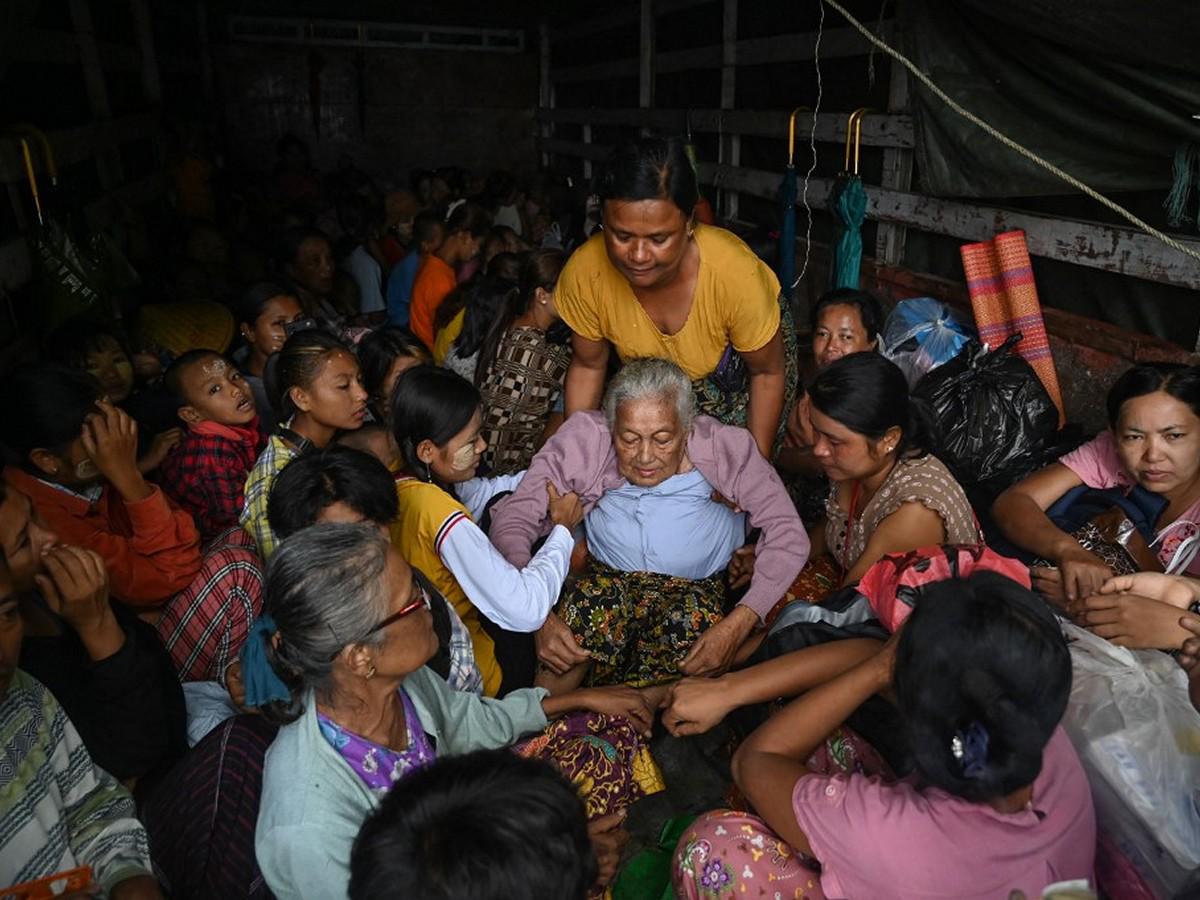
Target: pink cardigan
580, 458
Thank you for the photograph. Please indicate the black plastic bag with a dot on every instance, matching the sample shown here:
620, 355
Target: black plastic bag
993, 415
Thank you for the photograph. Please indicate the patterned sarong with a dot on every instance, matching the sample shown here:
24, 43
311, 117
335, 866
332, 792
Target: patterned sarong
638, 626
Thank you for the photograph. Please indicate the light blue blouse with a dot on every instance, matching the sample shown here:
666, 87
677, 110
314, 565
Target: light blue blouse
673, 528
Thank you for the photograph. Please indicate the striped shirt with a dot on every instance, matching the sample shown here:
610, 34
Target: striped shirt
58, 809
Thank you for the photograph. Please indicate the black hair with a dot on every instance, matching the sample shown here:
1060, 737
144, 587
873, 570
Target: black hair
486, 300
505, 266
425, 227
981, 652
650, 168
44, 407
870, 311
539, 269
430, 404
293, 237
296, 365
869, 394
488, 825
252, 303
1179, 381
173, 378
313, 481
382, 347
469, 217
71, 342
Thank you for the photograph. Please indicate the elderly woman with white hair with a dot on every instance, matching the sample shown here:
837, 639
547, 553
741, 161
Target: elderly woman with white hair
651, 604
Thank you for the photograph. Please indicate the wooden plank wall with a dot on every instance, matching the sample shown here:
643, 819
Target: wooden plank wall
892, 203
99, 139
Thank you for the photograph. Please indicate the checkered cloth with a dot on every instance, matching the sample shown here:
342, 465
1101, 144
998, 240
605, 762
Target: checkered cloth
205, 625
206, 475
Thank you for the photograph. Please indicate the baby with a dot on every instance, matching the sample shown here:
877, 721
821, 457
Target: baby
207, 471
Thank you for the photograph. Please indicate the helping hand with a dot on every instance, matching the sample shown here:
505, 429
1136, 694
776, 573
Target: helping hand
714, 651
565, 509
556, 646
695, 705
620, 700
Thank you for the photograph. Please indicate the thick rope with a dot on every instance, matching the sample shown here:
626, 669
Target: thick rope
1009, 142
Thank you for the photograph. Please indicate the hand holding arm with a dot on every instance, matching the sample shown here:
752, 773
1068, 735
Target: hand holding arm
696, 704
1131, 620
619, 700
770, 762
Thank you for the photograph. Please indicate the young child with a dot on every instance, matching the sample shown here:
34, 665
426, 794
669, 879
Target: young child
263, 315
206, 473
384, 355
128, 381
315, 384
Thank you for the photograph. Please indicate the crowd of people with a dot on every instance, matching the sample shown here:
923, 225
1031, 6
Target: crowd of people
483, 498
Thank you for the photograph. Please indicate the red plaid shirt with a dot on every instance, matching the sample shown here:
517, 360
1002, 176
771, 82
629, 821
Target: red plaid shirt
207, 472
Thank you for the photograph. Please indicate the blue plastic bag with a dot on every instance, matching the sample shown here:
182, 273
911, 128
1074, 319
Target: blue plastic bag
922, 334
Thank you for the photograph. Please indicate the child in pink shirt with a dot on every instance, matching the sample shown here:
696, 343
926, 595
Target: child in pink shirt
998, 801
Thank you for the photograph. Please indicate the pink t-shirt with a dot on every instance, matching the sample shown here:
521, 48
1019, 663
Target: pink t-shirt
1098, 466
892, 840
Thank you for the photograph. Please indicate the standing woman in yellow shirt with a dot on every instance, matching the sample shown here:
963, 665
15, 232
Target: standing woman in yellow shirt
656, 283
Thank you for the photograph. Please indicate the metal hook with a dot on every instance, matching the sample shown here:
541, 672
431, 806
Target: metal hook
792, 134
853, 138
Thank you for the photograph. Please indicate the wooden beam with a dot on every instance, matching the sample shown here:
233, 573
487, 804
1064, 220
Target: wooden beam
545, 89
41, 45
151, 84
879, 129
1092, 244
646, 56
577, 149
108, 160
890, 239
730, 149
835, 43
628, 15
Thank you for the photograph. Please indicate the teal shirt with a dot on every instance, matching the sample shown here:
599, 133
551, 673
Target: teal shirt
313, 803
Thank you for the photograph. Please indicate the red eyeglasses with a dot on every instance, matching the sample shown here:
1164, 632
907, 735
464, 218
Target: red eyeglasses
421, 602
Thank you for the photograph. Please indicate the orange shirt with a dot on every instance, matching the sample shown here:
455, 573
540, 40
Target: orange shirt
435, 279
150, 548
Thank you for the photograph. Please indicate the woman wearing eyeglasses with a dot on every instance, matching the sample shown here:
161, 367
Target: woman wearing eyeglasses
339, 663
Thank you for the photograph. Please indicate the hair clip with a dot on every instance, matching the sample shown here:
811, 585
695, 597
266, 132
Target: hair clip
969, 747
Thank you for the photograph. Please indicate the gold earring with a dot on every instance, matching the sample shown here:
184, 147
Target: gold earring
370, 672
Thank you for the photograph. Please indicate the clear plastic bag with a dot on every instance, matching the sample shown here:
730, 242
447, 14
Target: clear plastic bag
1139, 740
922, 334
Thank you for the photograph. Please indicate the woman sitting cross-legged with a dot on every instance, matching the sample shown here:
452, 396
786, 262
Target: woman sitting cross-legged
982, 675
342, 668
651, 604
1150, 455
888, 493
